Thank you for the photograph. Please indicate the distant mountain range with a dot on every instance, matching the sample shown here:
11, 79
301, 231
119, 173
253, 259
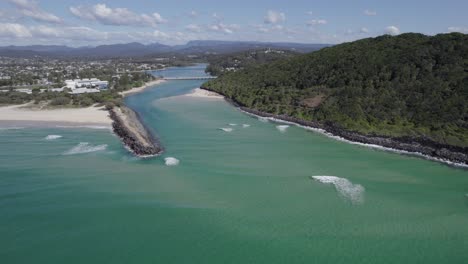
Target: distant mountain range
139, 50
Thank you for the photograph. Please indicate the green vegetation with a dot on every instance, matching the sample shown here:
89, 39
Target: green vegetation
224, 63
61, 99
128, 81
55, 99
407, 85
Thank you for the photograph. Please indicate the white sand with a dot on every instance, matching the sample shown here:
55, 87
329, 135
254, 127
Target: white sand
197, 92
89, 115
141, 88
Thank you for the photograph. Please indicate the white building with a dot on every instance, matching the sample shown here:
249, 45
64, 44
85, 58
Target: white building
87, 83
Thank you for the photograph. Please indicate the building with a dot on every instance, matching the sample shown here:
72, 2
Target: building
87, 83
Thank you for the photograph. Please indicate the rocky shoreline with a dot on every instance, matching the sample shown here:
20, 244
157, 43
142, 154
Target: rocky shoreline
135, 136
411, 145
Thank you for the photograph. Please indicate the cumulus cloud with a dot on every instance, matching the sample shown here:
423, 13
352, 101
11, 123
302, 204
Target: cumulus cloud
31, 9
13, 30
364, 30
458, 29
368, 12
193, 28
315, 22
223, 28
273, 17
77, 35
392, 30
116, 16
160, 34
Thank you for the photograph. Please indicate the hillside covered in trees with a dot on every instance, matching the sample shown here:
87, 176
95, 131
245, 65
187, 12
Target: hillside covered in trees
409, 85
221, 64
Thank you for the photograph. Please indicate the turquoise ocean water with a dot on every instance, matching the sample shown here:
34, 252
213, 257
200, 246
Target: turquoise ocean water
244, 196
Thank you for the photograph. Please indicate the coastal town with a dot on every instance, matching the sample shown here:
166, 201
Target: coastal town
78, 75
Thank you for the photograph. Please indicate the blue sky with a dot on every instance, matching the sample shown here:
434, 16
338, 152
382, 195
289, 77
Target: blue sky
94, 22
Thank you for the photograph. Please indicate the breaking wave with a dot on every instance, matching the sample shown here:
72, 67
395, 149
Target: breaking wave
373, 146
11, 128
245, 125
52, 137
282, 128
226, 129
352, 192
85, 147
170, 161
232, 124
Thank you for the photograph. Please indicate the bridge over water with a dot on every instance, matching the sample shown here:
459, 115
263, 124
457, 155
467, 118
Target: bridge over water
189, 78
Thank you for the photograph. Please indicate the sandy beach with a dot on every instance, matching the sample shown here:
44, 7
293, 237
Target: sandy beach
197, 92
90, 115
141, 88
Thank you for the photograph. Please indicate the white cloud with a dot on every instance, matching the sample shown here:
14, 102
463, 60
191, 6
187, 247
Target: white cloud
12, 33
13, 30
193, 14
392, 30
30, 9
274, 17
116, 16
458, 29
278, 27
364, 30
160, 34
44, 31
368, 12
193, 28
309, 13
315, 22
223, 28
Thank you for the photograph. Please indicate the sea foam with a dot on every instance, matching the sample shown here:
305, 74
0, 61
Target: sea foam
85, 147
282, 128
232, 124
11, 128
171, 161
374, 146
52, 137
226, 129
245, 125
351, 192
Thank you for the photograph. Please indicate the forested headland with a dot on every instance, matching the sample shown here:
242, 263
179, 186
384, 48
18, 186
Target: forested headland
409, 85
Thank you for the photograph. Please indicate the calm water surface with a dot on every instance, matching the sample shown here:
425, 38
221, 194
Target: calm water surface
243, 196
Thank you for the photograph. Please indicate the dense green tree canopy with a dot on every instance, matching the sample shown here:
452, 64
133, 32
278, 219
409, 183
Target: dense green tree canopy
406, 85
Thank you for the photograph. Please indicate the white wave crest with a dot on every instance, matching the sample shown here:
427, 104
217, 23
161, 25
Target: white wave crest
226, 129
52, 137
373, 146
282, 128
171, 161
232, 124
85, 147
263, 119
11, 128
245, 125
352, 192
